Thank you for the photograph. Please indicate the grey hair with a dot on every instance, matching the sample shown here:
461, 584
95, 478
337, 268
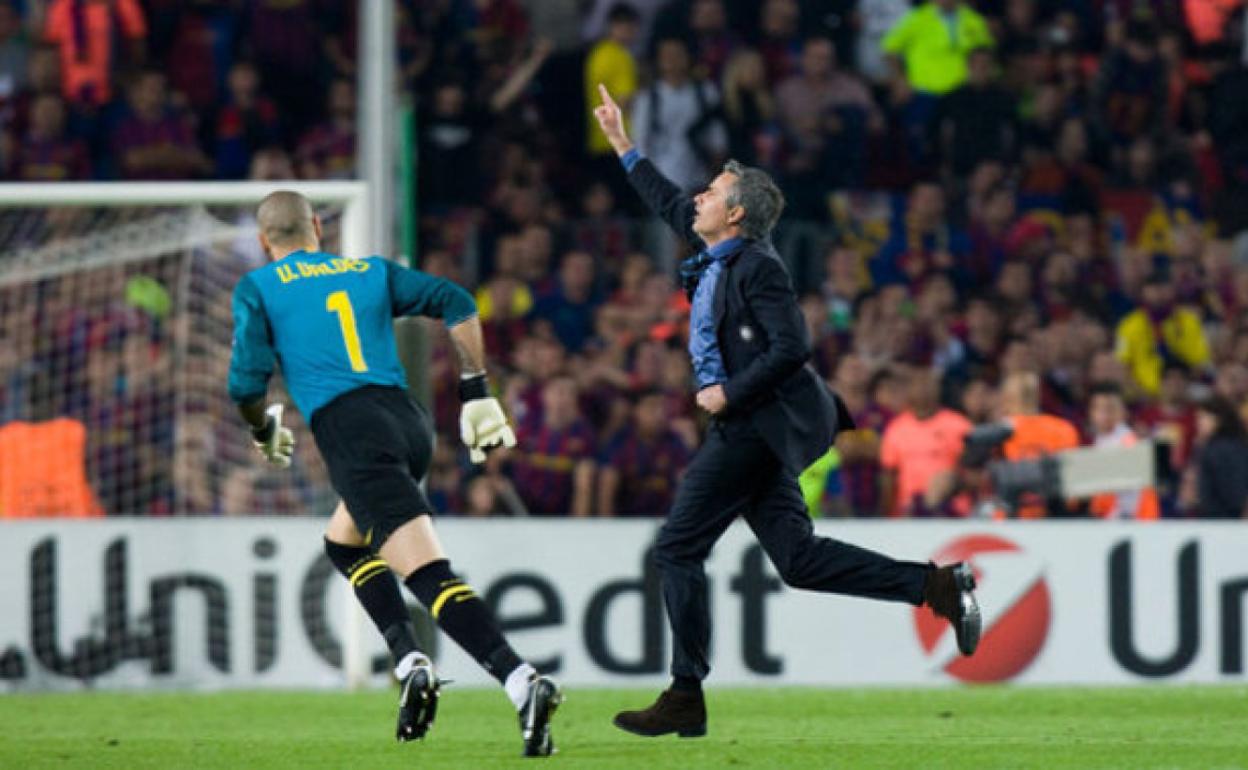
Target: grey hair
757, 193
285, 218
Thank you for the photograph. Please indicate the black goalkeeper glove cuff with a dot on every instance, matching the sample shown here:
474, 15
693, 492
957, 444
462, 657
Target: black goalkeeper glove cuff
473, 388
264, 432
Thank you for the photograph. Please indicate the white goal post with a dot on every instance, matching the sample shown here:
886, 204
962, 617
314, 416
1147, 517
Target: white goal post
353, 196
21, 263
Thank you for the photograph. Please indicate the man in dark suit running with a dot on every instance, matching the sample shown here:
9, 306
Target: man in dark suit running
771, 416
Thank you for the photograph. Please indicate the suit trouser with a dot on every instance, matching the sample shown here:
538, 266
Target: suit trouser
736, 473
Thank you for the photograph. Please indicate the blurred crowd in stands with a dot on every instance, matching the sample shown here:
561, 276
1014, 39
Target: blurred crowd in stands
1025, 209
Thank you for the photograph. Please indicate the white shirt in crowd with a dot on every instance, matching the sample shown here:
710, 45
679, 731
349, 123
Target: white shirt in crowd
664, 138
878, 17
1125, 503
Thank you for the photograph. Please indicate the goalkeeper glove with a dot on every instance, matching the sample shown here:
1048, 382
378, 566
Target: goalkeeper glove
275, 442
482, 423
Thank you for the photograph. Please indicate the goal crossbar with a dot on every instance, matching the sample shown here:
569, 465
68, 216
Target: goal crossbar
353, 195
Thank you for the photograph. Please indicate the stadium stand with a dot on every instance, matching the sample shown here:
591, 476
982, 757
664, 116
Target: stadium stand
1070, 200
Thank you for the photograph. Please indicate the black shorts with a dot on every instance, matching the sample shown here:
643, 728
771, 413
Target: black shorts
377, 443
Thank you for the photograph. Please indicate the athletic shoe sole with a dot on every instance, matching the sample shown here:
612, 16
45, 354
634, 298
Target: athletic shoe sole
970, 624
418, 704
544, 699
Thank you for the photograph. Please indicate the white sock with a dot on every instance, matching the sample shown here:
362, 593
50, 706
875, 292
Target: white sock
409, 662
517, 684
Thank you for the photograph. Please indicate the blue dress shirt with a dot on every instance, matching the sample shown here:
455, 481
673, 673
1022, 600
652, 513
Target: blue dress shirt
708, 364
705, 268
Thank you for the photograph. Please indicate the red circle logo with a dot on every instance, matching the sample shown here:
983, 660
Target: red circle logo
1015, 601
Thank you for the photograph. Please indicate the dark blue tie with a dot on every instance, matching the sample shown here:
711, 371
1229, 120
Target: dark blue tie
691, 271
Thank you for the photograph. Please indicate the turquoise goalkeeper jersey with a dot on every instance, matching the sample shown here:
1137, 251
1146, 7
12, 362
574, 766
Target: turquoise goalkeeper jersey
328, 321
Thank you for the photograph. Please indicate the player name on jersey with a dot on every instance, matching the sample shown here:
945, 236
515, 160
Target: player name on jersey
335, 266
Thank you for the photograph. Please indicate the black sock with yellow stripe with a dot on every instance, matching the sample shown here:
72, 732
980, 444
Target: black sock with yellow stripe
370, 578
464, 617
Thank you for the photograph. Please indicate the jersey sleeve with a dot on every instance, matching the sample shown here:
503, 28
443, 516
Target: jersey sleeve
252, 358
415, 293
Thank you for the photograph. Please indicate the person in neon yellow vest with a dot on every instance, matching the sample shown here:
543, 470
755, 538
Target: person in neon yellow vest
933, 42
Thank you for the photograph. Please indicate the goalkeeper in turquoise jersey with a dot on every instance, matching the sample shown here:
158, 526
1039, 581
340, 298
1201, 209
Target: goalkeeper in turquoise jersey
327, 320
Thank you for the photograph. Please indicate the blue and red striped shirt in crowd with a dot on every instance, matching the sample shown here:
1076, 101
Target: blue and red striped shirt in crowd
51, 160
327, 152
648, 471
171, 130
545, 461
861, 480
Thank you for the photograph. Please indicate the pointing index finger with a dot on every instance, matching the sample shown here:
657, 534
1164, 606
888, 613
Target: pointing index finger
606, 97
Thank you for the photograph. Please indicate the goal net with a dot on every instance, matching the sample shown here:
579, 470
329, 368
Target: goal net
115, 319
115, 335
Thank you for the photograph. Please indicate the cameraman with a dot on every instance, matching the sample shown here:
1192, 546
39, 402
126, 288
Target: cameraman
1032, 435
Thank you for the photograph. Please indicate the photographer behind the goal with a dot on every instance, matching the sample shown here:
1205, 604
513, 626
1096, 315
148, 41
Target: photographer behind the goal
1026, 490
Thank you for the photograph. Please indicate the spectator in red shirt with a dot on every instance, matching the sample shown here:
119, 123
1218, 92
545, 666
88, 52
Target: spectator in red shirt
919, 447
85, 31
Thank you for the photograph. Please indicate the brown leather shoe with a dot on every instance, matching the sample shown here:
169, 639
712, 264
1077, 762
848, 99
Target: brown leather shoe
683, 713
949, 592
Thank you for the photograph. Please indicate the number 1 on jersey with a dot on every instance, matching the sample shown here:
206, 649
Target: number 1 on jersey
339, 303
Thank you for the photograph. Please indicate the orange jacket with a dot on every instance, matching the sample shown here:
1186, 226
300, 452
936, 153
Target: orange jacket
1037, 435
43, 470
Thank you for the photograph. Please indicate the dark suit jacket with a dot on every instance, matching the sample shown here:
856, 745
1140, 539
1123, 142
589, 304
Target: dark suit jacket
762, 338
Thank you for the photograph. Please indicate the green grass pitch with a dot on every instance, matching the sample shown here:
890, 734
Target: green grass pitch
981, 727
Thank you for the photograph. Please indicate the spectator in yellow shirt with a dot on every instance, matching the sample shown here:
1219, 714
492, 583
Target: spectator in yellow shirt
933, 42
1159, 331
611, 63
